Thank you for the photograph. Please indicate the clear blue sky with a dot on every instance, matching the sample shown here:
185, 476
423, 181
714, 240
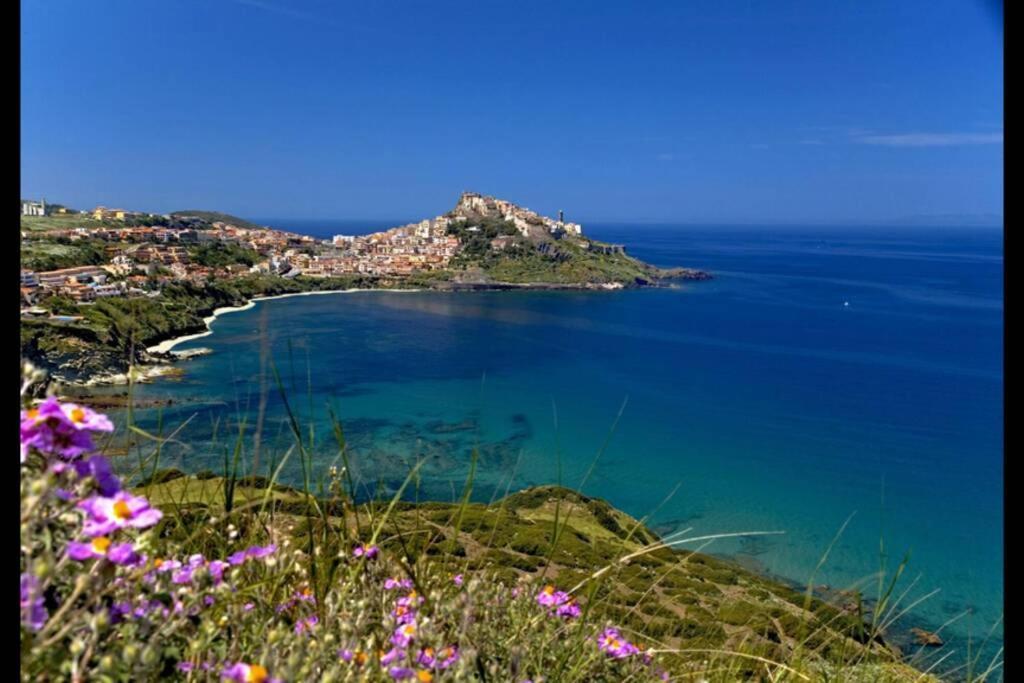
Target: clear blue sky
713, 111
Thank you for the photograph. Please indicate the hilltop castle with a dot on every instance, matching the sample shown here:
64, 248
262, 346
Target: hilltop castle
473, 205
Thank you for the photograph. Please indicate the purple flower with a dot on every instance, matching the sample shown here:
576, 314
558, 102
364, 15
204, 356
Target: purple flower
248, 607
389, 656
457, 579
33, 609
569, 609
98, 468
81, 418
108, 514
358, 656
404, 634
438, 660
560, 602
549, 597
118, 611
369, 551
403, 614
100, 546
614, 645
246, 673
411, 600
61, 429
390, 584
401, 673
306, 624
217, 568
254, 553
447, 656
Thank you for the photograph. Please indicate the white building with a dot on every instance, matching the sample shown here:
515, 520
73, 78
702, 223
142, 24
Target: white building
31, 208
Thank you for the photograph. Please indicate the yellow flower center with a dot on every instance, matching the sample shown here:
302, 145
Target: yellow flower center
121, 510
158, 563
256, 674
360, 658
409, 630
77, 415
429, 651
549, 590
424, 676
33, 414
100, 544
447, 652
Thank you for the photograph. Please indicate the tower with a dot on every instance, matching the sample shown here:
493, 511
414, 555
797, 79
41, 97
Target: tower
561, 218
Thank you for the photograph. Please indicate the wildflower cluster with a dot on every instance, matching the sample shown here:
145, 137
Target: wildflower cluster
108, 593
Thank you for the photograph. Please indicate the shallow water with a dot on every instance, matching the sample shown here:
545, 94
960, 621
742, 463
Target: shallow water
824, 373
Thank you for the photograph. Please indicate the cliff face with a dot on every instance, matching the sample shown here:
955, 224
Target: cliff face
473, 206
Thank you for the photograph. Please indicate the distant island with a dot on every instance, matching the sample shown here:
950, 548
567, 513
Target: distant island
100, 287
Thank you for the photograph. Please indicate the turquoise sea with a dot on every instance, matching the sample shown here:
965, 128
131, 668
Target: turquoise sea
824, 372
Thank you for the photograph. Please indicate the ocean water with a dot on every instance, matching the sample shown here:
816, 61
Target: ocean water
824, 375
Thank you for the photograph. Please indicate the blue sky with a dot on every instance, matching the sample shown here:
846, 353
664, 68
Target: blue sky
656, 111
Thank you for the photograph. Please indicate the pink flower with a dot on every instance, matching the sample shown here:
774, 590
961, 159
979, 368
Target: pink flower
389, 656
390, 584
457, 579
108, 514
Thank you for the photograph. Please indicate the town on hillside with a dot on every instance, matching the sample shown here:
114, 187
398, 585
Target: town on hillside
110, 251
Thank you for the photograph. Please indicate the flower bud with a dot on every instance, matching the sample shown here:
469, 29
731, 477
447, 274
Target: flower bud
129, 652
77, 647
42, 568
150, 656
106, 663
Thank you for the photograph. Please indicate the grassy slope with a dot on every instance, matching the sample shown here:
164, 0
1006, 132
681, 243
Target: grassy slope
676, 599
62, 222
216, 216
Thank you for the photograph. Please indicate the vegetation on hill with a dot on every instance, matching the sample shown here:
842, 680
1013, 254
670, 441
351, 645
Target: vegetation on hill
61, 252
222, 254
521, 260
211, 217
228, 576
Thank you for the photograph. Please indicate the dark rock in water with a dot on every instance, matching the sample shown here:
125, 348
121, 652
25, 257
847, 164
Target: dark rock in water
441, 427
926, 638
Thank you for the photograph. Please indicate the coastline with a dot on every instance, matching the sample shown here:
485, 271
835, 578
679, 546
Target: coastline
167, 345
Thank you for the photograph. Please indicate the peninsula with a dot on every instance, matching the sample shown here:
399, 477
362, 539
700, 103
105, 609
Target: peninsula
100, 287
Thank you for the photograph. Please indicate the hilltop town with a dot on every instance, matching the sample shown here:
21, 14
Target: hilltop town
98, 286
